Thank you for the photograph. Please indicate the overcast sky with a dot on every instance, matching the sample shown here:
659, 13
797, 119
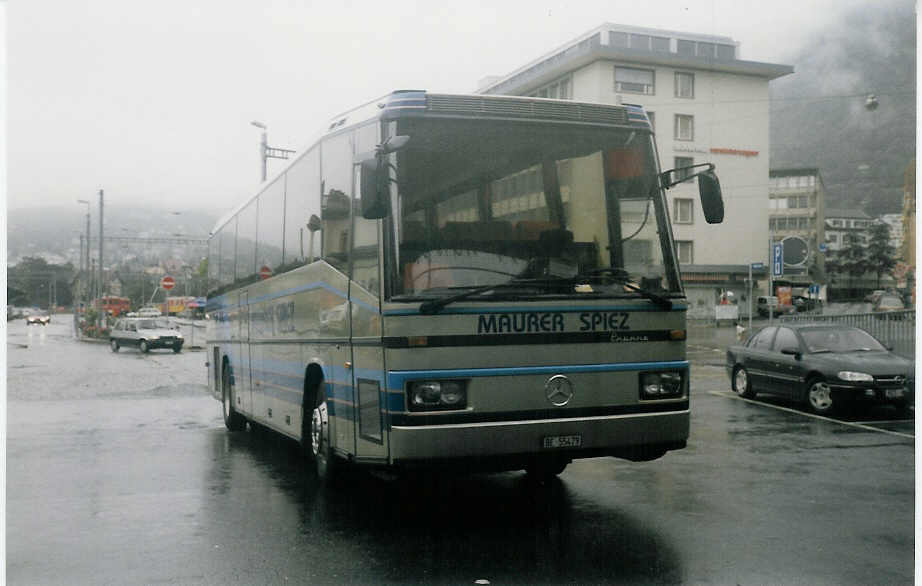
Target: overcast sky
152, 101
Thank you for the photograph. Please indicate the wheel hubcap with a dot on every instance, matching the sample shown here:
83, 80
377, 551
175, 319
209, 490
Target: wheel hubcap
820, 397
741, 381
317, 431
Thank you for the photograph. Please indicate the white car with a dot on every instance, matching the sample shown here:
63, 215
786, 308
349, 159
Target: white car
145, 333
149, 312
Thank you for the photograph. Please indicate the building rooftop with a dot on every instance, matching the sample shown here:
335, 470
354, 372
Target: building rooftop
846, 213
636, 45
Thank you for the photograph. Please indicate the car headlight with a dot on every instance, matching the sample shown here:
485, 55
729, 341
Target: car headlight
434, 395
661, 385
855, 376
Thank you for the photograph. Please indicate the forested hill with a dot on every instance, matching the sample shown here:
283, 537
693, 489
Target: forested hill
819, 117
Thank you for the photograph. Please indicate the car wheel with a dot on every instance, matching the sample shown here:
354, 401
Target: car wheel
177, 348
819, 397
233, 420
142, 345
321, 450
114, 345
741, 383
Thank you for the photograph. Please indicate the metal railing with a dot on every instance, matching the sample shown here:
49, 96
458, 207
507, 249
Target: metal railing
893, 328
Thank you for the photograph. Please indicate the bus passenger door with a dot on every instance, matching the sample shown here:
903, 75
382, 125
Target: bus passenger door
242, 378
368, 381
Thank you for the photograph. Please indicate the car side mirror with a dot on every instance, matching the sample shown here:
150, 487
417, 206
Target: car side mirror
712, 203
791, 352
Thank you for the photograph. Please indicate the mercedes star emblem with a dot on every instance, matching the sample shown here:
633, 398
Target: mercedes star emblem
558, 390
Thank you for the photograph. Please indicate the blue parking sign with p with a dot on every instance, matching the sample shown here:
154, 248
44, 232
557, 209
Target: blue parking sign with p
777, 259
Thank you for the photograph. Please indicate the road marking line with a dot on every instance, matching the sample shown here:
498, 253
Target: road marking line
729, 395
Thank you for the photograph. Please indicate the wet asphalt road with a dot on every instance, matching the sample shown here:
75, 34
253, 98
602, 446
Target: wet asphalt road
120, 471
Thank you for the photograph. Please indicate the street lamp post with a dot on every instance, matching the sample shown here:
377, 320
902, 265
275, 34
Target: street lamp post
101, 275
85, 262
265, 151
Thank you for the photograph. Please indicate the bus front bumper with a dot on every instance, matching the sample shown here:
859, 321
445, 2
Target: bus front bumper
513, 444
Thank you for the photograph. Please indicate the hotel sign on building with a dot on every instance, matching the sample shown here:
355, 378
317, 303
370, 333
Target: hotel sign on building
707, 106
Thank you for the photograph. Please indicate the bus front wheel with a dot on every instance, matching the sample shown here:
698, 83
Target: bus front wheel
233, 420
321, 450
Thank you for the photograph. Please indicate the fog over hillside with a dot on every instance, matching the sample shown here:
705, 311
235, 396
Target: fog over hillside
818, 114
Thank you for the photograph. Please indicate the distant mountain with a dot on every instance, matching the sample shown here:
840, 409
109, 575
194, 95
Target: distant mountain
54, 232
819, 116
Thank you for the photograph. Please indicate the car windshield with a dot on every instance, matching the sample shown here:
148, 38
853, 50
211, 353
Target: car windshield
153, 324
839, 340
482, 204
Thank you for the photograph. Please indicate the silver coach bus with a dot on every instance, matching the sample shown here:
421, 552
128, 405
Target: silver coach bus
480, 282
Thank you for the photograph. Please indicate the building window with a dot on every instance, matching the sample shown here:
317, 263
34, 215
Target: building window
705, 50
617, 39
685, 251
557, 90
684, 127
685, 48
640, 42
771, 223
684, 85
683, 162
684, 210
635, 81
659, 44
832, 238
726, 52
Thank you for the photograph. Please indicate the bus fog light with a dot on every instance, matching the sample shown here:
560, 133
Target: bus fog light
437, 395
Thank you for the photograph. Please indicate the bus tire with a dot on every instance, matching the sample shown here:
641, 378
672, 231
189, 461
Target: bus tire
321, 450
546, 468
233, 420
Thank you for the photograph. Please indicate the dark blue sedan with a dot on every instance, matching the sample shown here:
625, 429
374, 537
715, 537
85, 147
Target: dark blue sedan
823, 366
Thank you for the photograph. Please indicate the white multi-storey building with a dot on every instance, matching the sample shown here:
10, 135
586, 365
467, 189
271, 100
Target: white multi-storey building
707, 106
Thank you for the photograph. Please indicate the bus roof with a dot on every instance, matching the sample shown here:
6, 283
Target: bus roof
419, 103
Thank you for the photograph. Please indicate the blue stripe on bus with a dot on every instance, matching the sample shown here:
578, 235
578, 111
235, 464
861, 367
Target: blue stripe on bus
396, 379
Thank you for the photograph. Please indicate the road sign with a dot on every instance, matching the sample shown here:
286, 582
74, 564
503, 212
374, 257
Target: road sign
758, 266
814, 290
823, 247
265, 272
777, 259
167, 282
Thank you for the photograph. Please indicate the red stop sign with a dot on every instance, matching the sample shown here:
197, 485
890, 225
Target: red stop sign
167, 282
265, 272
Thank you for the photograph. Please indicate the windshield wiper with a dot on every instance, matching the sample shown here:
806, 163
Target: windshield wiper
436, 305
621, 277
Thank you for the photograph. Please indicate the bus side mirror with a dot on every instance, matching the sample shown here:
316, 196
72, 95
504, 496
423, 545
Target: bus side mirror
712, 202
374, 189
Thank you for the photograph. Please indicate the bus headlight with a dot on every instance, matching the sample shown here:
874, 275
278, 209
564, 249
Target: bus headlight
661, 385
437, 395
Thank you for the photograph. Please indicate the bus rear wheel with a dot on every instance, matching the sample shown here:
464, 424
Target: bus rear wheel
233, 420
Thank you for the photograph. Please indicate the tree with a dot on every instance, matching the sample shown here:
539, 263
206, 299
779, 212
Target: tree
881, 254
852, 259
38, 283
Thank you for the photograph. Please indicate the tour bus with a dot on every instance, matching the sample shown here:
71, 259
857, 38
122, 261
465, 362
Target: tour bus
114, 305
473, 282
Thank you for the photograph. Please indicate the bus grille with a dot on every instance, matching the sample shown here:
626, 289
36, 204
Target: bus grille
526, 108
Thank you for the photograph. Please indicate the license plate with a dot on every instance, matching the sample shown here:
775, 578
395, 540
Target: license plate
893, 393
563, 441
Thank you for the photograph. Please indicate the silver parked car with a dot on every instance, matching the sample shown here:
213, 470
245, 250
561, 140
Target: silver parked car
145, 333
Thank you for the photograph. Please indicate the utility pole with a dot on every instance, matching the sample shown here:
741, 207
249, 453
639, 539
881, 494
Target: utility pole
101, 276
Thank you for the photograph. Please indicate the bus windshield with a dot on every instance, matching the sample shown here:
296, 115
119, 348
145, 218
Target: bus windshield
479, 203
